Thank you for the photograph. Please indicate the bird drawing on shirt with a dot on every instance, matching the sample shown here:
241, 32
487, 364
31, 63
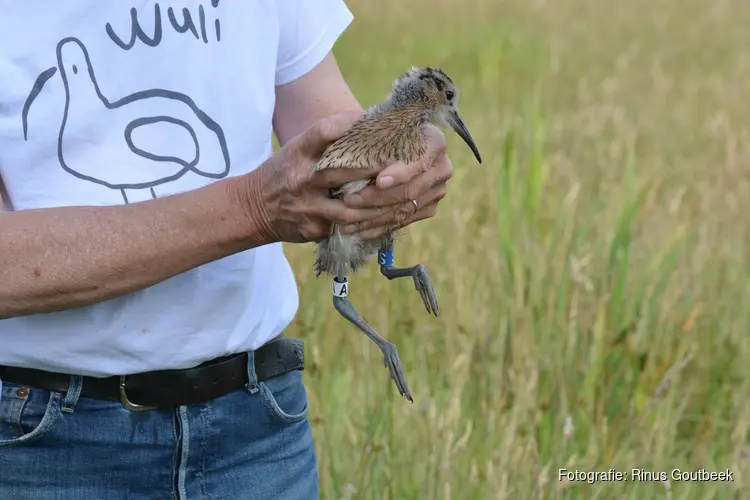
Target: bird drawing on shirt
389, 131
162, 134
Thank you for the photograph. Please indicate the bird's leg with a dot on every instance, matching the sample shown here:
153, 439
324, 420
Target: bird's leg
422, 281
390, 354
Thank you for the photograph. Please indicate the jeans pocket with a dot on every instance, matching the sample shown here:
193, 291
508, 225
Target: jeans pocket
285, 397
26, 414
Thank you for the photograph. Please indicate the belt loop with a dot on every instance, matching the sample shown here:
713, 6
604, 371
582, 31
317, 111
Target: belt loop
74, 391
252, 377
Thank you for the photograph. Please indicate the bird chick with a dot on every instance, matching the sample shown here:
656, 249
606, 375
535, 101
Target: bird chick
390, 131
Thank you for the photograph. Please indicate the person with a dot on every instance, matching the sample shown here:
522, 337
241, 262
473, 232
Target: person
145, 291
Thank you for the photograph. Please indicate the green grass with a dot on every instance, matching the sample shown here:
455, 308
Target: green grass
592, 274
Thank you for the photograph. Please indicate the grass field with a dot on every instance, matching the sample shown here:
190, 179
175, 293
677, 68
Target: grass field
592, 274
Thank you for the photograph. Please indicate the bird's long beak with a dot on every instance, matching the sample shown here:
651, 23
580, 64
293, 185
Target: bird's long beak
460, 128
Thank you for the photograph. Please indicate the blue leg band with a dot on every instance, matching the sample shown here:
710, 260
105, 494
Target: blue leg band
385, 258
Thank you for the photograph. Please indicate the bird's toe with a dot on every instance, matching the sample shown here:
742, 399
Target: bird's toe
423, 284
396, 368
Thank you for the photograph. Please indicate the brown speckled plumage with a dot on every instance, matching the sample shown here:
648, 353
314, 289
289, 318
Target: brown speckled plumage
390, 131
394, 135
378, 138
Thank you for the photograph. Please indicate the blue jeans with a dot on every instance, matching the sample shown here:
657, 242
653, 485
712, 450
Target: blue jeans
253, 443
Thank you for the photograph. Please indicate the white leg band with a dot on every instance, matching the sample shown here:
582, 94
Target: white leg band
340, 289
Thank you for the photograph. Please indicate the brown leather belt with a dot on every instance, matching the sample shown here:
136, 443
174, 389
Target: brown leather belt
158, 389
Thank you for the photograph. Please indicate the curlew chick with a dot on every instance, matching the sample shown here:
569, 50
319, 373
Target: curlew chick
390, 131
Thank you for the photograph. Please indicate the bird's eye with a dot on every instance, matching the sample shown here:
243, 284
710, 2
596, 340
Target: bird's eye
449, 95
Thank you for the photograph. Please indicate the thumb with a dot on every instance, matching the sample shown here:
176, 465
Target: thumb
327, 130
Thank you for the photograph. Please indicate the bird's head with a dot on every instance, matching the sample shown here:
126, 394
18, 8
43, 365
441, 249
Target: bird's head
435, 92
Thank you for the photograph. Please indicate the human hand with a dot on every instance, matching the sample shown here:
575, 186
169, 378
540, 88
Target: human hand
292, 205
424, 181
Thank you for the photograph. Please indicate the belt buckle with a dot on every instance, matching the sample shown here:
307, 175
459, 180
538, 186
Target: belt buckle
129, 405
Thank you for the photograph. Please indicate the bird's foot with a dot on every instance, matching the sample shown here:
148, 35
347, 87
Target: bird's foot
422, 283
390, 353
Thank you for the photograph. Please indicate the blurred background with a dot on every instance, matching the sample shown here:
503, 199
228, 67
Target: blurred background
592, 273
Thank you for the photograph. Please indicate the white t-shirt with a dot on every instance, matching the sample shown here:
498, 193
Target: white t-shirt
104, 104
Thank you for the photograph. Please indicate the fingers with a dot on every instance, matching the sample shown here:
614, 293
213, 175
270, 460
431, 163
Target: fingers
426, 207
422, 213
323, 132
401, 173
336, 177
440, 173
336, 212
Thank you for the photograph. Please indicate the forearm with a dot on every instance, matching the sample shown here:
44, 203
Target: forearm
60, 258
